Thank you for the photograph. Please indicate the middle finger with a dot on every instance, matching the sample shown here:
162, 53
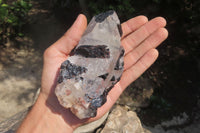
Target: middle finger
135, 38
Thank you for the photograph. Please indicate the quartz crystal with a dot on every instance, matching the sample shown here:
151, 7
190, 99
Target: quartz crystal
95, 65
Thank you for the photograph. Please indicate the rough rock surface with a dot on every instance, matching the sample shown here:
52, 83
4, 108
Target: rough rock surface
122, 121
91, 127
138, 94
11, 124
94, 67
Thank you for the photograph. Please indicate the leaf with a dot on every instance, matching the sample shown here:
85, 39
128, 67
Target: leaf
8, 33
30, 5
23, 3
20, 34
111, 7
4, 5
3, 13
12, 7
131, 10
12, 19
9, 21
18, 9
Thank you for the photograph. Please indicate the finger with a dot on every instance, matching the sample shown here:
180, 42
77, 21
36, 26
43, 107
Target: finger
138, 68
110, 101
71, 38
133, 24
151, 42
135, 38
129, 76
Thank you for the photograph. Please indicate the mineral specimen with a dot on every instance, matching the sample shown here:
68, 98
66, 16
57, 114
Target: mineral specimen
95, 65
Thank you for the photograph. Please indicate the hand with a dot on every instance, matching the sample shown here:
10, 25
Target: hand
140, 38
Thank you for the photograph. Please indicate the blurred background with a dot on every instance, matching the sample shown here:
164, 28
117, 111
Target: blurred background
168, 91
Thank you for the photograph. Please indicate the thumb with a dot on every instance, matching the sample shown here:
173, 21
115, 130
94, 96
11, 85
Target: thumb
71, 38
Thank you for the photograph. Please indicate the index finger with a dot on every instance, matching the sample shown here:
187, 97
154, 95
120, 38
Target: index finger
133, 24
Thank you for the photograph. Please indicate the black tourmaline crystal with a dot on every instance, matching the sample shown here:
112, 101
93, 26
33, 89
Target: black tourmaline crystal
94, 67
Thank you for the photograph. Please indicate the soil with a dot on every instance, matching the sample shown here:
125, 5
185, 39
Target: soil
19, 80
21, 60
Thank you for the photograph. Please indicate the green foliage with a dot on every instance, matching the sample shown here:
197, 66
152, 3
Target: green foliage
12, 17
129, 8
124, 8
64, 4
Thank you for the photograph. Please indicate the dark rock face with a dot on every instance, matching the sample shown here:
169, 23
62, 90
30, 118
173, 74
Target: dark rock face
93, 68
69, 70
97, 51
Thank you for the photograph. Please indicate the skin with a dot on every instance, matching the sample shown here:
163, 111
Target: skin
140, 38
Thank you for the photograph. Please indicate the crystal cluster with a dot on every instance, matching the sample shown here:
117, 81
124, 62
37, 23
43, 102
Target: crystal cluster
95, 65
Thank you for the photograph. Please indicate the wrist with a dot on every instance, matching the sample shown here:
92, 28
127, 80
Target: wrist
42, 119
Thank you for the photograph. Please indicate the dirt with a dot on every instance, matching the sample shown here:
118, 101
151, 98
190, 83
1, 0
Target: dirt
20, 77
21, 61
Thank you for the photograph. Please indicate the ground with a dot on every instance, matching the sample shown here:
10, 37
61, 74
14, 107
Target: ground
21, 65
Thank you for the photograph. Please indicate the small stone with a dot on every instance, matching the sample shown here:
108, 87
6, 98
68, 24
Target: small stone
122, 121
92, 126
95, 65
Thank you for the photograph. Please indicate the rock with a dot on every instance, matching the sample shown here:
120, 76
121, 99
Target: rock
91, 127
138, 94
122, 121
11, 124
93, 68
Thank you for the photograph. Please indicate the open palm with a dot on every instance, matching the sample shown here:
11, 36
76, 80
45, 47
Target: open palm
140, 38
